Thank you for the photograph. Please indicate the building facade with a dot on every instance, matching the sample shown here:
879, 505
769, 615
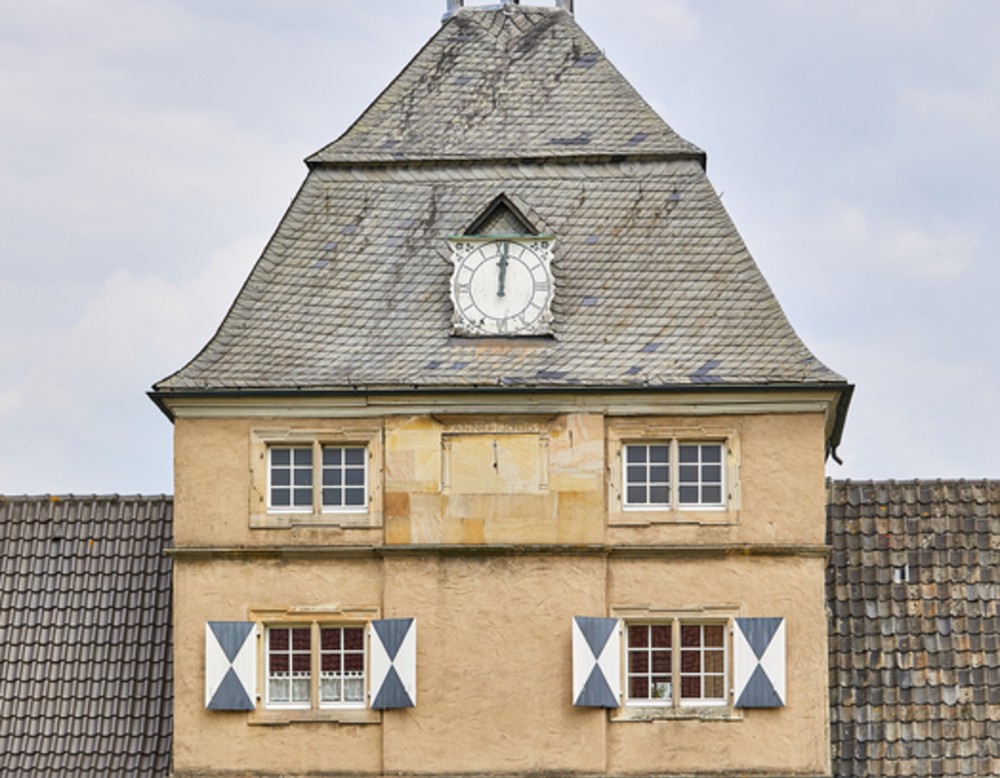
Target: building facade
505, 459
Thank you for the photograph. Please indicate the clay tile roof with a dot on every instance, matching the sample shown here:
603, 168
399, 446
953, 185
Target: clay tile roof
85, 636
913, 588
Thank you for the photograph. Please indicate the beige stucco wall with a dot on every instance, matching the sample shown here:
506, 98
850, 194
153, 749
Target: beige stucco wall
430, 495
509, 559
494, 665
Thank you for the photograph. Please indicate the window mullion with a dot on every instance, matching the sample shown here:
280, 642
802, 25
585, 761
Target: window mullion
675, 662
675, 474
317, 476
314, 666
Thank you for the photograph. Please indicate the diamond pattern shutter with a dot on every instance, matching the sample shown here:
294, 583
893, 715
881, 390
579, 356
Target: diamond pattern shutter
393, 663
759, 663
230, 665
596, 662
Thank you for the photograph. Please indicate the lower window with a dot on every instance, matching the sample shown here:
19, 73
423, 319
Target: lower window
675, 662
315, 666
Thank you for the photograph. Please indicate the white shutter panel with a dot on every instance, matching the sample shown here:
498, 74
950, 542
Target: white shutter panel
759, 663
230, 665
596, 662
393, 646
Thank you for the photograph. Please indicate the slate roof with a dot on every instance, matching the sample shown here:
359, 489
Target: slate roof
85, 636
654, 286
913, 587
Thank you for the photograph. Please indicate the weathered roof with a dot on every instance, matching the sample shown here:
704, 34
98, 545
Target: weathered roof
507, 84
85, 636
653, 284
913, 588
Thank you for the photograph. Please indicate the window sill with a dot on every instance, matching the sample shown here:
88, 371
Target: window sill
669, 713
646, 518
329, 520
275, 717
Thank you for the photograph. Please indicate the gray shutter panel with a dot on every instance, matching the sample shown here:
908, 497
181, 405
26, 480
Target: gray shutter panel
230, 665
596, 662
393, 652
759, 662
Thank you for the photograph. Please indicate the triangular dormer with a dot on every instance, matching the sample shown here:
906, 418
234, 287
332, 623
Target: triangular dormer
501, 218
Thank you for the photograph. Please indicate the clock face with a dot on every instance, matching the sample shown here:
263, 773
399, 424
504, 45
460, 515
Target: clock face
502, 287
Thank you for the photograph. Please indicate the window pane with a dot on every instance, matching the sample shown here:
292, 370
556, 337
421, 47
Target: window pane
332, 498
660, 688
277, 663
303, 477
354, 662
638, 635
354, 638
332, 477
714, 661
330, 663
714, 634
711, 453
638, 688
303, 497
635, 453
281, 456
354, 477
354, 689
688, 494
688, 474
690, 661
690, 687
281, 477
659, 495
688, 453
711, 495
659, 474
661, 661
662, 635
636, 495
300, 663
659, 454
281, 498
638, 661
355, 497
300, 690
279, 689
354, 456
330, 689
330, 638
301, 638
715, 687
331, 455
690, 634
303, 457
277, 638
636, 474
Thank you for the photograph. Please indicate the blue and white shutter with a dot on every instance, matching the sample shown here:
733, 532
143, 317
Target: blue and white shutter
596, 662
393, 646
759, 663
230, 665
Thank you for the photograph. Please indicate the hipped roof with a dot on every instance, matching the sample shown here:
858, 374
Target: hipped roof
654, 286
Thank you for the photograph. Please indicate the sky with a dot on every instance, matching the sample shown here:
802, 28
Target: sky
148, 149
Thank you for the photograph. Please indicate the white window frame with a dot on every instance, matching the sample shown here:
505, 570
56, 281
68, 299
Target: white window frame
315, 709
676, 699
623, 432
346, 436
674, 483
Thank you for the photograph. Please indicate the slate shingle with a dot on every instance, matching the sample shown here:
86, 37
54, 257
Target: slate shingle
654, 286
85, 599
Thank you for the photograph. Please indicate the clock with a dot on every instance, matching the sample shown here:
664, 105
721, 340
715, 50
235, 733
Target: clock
502, 286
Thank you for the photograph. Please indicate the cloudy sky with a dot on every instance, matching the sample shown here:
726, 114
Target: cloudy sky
148, 149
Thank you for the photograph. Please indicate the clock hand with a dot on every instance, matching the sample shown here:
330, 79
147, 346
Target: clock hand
502, 265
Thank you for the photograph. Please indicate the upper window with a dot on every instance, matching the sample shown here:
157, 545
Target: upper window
676, 663
325, 476
298, 479
673, 474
